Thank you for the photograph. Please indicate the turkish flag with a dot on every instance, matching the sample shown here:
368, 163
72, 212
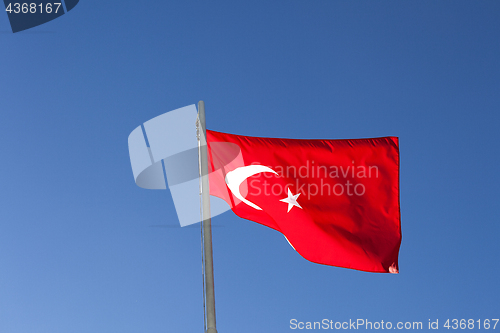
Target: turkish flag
335, 201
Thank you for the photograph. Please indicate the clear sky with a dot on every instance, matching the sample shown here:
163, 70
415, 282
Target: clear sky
83, 249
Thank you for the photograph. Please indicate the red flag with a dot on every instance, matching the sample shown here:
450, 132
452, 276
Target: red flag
335, 201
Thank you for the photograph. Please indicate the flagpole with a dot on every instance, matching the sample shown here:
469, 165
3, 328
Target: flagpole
207, 225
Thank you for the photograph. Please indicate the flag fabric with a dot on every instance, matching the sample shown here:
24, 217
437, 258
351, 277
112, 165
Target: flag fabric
335, 201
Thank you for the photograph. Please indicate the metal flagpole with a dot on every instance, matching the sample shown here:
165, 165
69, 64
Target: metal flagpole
207, 225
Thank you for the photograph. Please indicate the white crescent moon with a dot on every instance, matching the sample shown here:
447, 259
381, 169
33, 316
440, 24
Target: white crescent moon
239, 175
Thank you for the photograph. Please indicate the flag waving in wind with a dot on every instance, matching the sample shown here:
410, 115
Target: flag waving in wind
335, 201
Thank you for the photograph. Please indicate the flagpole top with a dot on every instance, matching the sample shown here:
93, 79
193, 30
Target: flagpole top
201, 116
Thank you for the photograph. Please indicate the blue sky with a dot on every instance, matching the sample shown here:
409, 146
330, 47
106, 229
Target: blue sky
83, 249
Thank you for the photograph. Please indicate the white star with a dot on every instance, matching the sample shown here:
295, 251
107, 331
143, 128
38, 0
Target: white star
291, 200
